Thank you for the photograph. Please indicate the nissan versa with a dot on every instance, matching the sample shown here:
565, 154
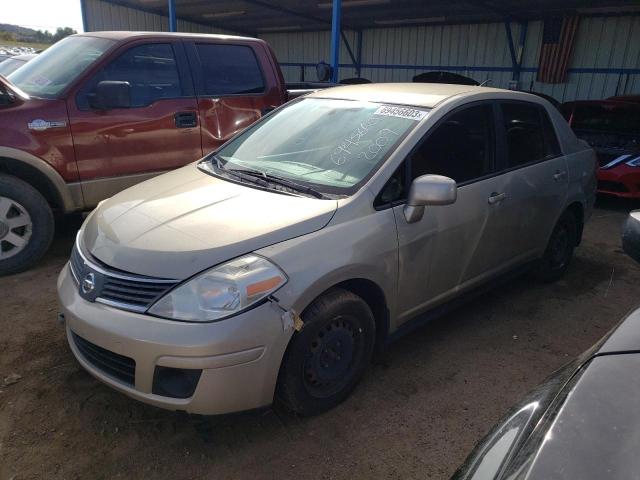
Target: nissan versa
274, 267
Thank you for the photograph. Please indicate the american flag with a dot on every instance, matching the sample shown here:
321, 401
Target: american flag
557, 43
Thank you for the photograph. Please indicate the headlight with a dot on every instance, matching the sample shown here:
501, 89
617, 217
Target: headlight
221, 291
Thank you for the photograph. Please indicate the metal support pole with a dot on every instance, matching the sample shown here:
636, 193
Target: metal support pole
173, 23
335, 40
358, 53
520, 53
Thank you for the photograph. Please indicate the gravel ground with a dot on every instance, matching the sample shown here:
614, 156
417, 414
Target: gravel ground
416, 415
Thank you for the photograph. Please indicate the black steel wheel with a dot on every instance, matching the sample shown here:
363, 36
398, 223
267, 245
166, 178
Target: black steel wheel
326, 360
559, 251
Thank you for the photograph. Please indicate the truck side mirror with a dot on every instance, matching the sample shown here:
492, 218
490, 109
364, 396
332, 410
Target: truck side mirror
429, 190
6, 98
631, 235
111, 94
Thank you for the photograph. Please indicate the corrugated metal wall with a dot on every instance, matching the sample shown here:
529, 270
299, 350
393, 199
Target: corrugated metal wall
481, 51
605, 60
101, 15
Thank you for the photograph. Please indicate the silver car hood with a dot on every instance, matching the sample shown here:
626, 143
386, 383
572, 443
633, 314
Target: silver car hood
180, 223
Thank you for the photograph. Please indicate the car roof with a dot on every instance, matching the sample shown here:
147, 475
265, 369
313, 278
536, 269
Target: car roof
126, 35
418, 94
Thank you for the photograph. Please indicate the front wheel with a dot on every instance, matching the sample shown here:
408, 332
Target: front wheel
559, 251
26, 225
328, 357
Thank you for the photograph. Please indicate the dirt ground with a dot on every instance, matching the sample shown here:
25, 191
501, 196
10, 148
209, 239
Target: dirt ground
417, 415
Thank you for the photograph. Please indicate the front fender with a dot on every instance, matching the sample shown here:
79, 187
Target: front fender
361, 248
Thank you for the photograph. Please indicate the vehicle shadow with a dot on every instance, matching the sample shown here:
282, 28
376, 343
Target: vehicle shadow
616, 204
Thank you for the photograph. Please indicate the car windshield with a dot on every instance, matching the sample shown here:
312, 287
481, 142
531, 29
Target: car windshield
331, 145
10, 65
53, 70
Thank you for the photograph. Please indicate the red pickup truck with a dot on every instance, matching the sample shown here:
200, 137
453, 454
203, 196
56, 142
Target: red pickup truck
99, 112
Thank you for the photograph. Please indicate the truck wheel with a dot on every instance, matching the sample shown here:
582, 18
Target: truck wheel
328, 357
26, 225
559, 252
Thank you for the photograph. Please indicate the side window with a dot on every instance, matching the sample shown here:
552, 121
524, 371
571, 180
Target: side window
394, 189
150, 70
524, 134
229, 69
461, 147
551, 144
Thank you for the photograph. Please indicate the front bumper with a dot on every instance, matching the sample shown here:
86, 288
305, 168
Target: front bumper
621, 181
239, 357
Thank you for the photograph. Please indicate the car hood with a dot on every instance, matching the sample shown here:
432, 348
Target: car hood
625, 337
185, 221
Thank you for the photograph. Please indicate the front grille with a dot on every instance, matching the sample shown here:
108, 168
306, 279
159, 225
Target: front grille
139, 294
118, 366
607, 186
115, 287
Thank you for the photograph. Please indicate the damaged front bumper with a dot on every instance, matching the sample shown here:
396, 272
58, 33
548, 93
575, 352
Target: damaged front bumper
205, 368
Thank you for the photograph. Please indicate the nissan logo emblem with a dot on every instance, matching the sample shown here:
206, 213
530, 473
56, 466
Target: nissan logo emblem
88, 283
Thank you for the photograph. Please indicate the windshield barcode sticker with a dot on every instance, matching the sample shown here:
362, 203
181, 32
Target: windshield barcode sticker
401, 112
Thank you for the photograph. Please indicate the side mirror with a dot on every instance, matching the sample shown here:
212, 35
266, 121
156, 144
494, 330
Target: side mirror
111, 94
631, 235
6, 98
429, 190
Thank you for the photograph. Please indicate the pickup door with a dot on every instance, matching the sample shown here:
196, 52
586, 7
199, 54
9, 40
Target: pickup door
236, 83
160, 131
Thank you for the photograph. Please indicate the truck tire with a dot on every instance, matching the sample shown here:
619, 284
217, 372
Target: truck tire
328, 357
26, 225
559, 251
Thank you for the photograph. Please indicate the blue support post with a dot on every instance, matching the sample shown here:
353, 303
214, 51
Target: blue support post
173, 23
335, 40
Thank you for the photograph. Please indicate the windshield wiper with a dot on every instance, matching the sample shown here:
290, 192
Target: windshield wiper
280, 181
266, 178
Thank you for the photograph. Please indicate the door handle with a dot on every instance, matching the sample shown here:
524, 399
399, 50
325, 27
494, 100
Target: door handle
495, 198
559, 175
186, 119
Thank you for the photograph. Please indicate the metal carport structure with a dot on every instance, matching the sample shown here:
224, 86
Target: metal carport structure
341, 25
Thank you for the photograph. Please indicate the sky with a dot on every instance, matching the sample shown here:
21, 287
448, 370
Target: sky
42, 14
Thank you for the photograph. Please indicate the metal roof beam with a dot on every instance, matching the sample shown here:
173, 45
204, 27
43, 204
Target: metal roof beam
276, 8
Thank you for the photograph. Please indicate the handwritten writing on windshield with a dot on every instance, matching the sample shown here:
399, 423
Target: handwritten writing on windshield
356, 143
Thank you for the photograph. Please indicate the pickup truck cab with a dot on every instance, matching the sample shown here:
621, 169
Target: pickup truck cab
99, 112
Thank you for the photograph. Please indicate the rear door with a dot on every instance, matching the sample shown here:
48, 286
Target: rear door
536, 177
160, 131
235, 86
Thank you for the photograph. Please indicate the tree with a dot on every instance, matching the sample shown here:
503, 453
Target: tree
62, 32
8, 36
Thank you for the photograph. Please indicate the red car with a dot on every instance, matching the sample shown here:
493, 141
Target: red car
612, 128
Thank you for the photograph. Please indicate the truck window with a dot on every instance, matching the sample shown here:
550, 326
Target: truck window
150, 69
229, 70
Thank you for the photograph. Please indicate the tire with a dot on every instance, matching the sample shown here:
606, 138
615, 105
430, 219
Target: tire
328, 357
26, 225
559, 252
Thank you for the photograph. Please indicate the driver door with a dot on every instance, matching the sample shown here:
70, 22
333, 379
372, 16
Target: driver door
451, 247
119, 147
